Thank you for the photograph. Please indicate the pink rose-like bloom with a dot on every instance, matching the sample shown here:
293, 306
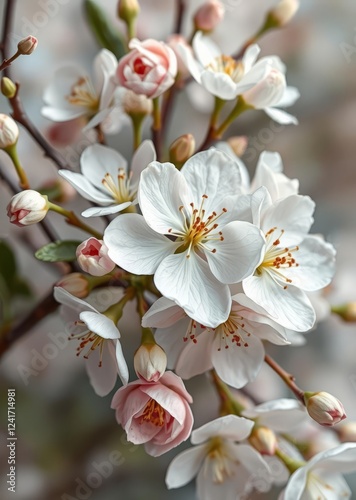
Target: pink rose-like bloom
149, 68
27, 207
92, 256
155, 414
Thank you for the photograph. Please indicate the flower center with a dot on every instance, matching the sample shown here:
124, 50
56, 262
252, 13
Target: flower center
218, 461
226, 64
153, 413
90, 340
199, 228
141, 66
121, 190
319, 489
233, 332
277, 258
83, 94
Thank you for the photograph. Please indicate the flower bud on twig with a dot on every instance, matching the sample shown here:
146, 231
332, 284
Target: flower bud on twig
150, 362
8, 88
75, 283
26, 46
208, 16
324, 408
27, 207
263, 440
9, 131
182, 149
284, 11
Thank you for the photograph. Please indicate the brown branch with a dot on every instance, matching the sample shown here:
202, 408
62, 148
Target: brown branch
287, 378
9, 11
180, 8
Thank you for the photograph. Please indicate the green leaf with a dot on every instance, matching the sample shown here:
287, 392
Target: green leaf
21, 287
106, 34
8, 268
58, 251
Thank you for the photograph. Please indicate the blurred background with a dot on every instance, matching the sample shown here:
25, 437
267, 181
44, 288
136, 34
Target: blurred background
63, 428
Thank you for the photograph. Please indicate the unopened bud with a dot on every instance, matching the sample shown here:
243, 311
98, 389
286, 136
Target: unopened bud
8, 88
268, 92
76, 284
324, 408
347, 311
238, 144
284, 12
128, 10
150, 362
347, 432
27, 45
136, 104
9, 131
27, 207
92, 256
263, 440
58, 190
174, 42
209, 15
182, 149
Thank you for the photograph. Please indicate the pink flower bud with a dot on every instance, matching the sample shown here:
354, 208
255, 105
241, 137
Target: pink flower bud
92, 256
267, 92
284, 11
150, 362
27, 207
149, 68
324, 408
155, 413
27, 45
9, 131
263, 440
209, 15
136, 104
76, 284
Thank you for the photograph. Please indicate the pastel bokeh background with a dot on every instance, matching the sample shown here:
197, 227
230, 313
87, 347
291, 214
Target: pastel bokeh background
63, 428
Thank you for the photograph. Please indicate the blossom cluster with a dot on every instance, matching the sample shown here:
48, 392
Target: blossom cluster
218, 265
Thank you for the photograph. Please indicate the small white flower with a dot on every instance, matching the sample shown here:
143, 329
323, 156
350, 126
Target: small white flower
221, 75
293, 263
224, 468
106, 179
234, 348
96, 334
188, 235
321, 476
92, 256
72, 94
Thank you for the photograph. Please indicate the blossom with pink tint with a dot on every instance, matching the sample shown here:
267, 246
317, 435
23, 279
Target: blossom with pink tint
209, 15
149, 68
156, 414
324, 408
76, 284
27, 45
63, 134
27, 207
92, 256
150, 362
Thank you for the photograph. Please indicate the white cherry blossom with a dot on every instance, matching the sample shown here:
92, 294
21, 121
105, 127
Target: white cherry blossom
188, 235
221, 75
322, 477
106, 179
224, 468
234, 348
293, 263
72, 94
98, 339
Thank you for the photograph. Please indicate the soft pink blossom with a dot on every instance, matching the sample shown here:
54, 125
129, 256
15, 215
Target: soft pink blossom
156, 414
92, 256
149, 68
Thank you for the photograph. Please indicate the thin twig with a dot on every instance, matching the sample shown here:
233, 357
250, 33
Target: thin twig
9, 11
180, 8
287, 378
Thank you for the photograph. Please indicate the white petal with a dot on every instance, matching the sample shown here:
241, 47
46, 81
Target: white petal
252, 461
238, 255
205, 49
100, 211
341, 459
291, 95
144, 155
219, 84
100, 324
184, 467
244, 175
195, 358
102, 378
193, 66
162, 314
85, 188
62, 115
105, 64
296, 485
281, 415
316, 260
98, 160
162, 191
67, 299
230, 427
171, 339
134, 246
63, 80
121, 364
250, 56
238, 365
189, 282
97, 119
280, 116
231, 488
290, 307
